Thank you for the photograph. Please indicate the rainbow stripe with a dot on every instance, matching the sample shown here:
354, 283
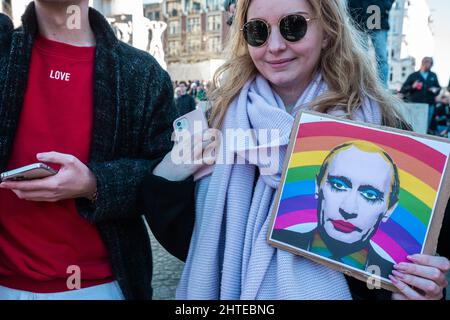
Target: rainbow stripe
356, 259
420, 171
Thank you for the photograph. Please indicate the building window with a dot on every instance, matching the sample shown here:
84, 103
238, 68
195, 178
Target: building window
174, 27
214, 44
193, 25
214, 23
174, 48
194, 45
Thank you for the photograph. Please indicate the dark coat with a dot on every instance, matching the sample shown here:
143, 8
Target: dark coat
185, 104
424, 95
358, 12
133, 113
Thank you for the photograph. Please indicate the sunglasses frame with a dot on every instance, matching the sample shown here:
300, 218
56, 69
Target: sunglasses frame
269, 28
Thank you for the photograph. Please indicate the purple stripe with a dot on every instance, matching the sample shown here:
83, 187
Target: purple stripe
401, 236
297, 204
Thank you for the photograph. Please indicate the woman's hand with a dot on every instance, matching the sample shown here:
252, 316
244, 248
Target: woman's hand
188, 155
73, 180
423, 279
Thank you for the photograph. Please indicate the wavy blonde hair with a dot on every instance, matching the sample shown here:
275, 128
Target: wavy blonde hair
345, 66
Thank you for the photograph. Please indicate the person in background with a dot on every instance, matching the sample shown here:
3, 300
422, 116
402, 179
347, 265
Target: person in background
423, 87
201, 93
230, 7
363, 15
442, 116
185, 102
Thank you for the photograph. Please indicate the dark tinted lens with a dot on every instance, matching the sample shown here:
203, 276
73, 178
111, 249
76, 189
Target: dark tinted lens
255, 33
293, 27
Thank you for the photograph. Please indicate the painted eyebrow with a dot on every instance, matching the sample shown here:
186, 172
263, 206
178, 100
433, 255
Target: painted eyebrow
369, 187
342, 178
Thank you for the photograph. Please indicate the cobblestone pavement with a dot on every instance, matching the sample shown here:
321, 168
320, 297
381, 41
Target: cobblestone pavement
166, 272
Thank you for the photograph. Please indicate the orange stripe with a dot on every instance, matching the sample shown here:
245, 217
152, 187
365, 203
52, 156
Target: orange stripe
409, 164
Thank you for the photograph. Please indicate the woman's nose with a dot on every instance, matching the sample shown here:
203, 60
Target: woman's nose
276, 42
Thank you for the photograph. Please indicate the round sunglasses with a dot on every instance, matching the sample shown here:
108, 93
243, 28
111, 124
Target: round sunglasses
293, 28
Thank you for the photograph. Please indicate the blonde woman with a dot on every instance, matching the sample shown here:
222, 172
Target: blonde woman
284, 56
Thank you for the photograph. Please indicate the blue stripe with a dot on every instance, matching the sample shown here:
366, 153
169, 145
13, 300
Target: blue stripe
401, 236
298, 188
408, 221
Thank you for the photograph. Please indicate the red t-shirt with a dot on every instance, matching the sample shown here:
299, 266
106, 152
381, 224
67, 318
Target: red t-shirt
40, 240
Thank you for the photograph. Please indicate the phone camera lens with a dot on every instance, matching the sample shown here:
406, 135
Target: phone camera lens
179, 124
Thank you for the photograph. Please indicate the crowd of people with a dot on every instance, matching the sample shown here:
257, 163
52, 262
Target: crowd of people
106, 124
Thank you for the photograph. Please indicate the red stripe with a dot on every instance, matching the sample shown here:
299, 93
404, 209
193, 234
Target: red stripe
407, 145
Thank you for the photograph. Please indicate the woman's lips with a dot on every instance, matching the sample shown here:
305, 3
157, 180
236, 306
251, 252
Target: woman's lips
344, 226
280, 63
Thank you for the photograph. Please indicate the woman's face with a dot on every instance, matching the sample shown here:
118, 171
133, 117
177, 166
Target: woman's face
287, 65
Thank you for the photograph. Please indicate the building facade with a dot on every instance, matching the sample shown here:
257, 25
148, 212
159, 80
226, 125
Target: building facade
196, 29
410, 39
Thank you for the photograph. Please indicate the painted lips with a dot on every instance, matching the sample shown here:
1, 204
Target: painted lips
343, 226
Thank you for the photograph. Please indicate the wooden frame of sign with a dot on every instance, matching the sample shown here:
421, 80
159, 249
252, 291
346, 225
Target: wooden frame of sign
322, 131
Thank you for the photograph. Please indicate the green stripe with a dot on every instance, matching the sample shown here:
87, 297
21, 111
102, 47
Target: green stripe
353, 262
416, 207
302, 173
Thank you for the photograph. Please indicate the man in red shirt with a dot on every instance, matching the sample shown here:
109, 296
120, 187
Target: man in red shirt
100, 112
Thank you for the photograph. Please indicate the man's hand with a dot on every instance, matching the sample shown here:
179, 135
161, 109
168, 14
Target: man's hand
73, 180
417, 85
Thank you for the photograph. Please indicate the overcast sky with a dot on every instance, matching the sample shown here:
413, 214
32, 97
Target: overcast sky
440, 10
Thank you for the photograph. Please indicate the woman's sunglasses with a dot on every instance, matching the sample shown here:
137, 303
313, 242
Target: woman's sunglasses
293, 27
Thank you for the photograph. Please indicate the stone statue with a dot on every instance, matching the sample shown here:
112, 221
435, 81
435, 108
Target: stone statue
156, 45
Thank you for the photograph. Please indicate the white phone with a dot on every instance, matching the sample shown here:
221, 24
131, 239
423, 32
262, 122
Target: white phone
30, 172
194, 122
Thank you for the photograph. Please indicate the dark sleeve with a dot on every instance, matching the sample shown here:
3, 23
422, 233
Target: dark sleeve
443, 248
360, 291
407, 86
193, 104
119, 181
436, 84
170, 212
6, 28
388, 4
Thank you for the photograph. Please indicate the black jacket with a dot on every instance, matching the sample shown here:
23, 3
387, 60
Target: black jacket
424, 95
185, 104
358, 11
133, 112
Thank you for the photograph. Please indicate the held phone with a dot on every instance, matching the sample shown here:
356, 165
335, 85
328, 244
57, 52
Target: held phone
194, 122
30, 172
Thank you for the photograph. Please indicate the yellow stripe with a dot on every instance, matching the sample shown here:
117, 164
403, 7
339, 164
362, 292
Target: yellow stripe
417, 188
307, 158
408, 182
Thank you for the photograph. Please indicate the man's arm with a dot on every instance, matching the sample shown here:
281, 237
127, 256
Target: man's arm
119, 181
407, 86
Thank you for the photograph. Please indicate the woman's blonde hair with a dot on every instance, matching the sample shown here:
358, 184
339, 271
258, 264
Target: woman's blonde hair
345, 66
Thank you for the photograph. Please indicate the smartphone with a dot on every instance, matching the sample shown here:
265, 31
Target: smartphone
194, 122
30, 172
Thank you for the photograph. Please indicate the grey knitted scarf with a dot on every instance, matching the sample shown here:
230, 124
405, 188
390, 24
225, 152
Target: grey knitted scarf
229, 257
